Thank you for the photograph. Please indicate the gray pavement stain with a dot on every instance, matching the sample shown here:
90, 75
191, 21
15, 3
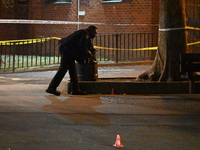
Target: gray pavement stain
182, 104
79, 109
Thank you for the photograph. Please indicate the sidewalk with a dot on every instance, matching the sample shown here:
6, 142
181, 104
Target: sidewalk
32, 119
114, 70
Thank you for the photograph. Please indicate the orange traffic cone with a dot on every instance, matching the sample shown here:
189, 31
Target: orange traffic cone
118, 142
113, 91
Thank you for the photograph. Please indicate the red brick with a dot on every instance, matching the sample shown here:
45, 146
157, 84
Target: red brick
133, 12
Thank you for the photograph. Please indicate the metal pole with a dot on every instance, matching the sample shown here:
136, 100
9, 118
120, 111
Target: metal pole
78, 9
117, 40
14, 50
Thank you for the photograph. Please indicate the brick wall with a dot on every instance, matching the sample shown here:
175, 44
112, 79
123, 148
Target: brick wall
129, 12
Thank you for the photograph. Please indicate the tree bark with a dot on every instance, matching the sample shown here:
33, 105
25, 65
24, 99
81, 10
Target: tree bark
171, 42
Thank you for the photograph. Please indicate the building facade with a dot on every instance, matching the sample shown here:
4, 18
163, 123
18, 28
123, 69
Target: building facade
110, 16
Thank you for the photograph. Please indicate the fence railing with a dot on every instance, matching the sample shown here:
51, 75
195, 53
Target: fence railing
29, 54
193, 39
38, 53
126, 47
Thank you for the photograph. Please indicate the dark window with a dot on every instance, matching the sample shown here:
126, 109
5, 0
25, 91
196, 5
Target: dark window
59, 1
111, 1
23, 2
192, 13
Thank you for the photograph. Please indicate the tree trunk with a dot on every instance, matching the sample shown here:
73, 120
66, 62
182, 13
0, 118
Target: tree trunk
171, 42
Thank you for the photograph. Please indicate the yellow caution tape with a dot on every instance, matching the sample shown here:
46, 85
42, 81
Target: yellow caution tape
180, 28
140, 49
194, 43
192, 28
27, 41
30, 41
148, 48
57, 38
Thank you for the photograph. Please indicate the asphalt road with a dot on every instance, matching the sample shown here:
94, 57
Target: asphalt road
34, 120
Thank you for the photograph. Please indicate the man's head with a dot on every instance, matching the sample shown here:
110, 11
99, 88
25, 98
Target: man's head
92, 31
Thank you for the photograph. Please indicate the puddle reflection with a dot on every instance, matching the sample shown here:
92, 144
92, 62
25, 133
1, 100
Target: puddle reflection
79, 109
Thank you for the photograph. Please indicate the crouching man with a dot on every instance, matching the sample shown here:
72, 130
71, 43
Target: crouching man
77, 46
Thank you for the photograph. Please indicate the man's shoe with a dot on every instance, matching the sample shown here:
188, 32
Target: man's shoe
53, 91
78, 93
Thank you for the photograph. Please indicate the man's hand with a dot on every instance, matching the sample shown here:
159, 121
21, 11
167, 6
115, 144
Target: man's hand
91, 56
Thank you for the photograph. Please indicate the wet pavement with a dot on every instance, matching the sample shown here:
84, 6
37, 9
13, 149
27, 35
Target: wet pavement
32, 119
126, 70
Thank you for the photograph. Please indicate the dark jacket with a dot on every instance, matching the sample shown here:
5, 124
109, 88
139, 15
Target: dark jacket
77, 45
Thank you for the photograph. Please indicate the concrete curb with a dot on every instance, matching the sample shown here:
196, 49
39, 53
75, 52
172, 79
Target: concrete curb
132, 87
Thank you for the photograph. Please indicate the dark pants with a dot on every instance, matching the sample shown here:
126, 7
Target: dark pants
67, 63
